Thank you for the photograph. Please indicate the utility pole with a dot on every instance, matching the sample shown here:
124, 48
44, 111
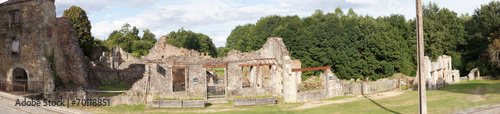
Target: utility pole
422, 107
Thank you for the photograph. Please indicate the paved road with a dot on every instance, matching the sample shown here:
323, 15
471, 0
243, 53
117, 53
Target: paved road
8, 102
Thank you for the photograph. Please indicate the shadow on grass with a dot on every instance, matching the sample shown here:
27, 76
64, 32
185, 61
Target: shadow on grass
475, 87
381, 106
208, 104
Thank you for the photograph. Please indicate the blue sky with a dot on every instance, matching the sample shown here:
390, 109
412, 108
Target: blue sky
216, 18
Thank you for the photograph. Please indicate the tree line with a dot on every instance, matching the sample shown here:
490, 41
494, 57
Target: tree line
358, 46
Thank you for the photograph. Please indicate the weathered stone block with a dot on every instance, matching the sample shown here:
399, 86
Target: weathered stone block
171, 104
193, 103
156, 103
265, 101
244, 102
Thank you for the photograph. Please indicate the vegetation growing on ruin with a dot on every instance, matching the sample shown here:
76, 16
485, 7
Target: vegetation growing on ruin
311, 83
219, 70
191, 40
82, 27
56, 78
358, 46
121, 86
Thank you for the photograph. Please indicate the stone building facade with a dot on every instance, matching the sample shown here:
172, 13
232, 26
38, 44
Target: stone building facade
439, 73
116, 57
30, 36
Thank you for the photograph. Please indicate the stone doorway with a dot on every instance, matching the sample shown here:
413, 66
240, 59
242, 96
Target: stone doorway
216, 82
20, 77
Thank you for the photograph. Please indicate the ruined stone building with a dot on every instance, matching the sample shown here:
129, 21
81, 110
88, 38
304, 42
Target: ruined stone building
439, 73
173, 72
116, 57
31, 37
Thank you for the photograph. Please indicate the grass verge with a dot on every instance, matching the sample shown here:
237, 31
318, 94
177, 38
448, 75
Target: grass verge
450, 99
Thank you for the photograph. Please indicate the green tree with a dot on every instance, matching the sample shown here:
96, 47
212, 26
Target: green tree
191, 40
82, 27
482, 28
129, 40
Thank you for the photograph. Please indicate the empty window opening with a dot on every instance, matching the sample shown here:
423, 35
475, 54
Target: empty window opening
266, 76
179, 81
161, 70
14, 17
248, 76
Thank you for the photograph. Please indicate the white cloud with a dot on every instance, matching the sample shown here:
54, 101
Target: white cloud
102, 29
1, 1
362, 1
208, 15
99, 5
217, 18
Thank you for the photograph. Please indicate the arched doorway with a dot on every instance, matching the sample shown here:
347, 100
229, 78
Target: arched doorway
19, 76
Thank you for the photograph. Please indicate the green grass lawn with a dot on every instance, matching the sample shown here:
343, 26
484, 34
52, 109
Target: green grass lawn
450, 99
122, 86
219, 70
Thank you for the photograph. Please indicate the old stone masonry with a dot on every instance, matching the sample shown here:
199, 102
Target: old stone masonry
31, 39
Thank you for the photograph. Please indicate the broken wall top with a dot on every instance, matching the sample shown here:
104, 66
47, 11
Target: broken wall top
163, 52
273, 48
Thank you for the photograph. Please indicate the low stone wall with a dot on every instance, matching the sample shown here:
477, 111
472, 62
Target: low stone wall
219, 89
313, 95
111, 75
465, 78
255, 101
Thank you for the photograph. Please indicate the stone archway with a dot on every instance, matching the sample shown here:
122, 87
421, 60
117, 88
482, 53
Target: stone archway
20, 76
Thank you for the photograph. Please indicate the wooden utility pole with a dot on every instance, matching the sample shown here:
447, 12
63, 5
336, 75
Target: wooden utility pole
422, 107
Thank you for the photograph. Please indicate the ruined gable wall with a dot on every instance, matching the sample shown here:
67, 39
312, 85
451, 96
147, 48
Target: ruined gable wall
71, 64
162, 50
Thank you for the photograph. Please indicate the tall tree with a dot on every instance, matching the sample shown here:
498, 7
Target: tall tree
82, 27
191, 40
129, 40
482, 30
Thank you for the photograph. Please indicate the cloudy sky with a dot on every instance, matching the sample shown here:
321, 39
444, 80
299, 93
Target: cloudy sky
216, 18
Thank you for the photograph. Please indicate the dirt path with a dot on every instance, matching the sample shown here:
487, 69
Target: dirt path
483, 109
358, 97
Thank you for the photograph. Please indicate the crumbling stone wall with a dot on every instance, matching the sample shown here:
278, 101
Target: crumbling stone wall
439, 73
101, 76
29, 34
474, 74
71, 64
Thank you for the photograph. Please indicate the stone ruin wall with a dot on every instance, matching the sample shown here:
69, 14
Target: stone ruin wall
273, 48
38, 31
158, 73
439, 73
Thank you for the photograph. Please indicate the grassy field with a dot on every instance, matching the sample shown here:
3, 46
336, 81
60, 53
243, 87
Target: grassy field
122, 86
450, 99
219, 70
